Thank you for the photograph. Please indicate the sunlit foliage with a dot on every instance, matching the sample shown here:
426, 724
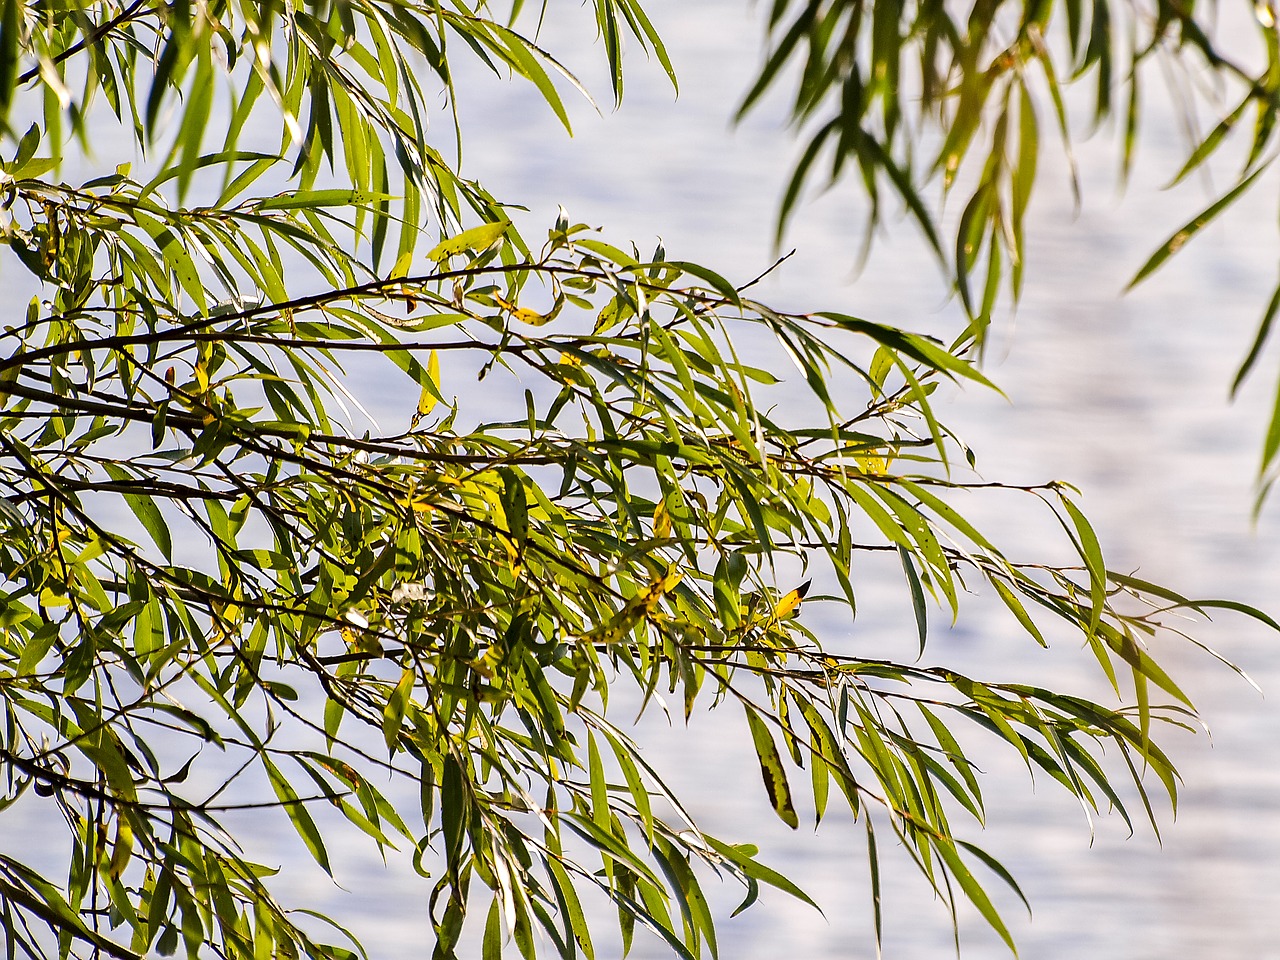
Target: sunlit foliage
221, 590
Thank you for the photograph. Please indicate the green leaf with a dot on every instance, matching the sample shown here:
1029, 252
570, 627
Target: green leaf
717, 282
743, 857
321, 199
921, 349
772, 771
1015, 606
144, 508
917, 596
491, 945
474, 240
298, 813
873, 866
974, 890
1091, 552
515, 506
10, 54
522, 54
639, 793
1193, 226
397, 704
1259, 341
176, 257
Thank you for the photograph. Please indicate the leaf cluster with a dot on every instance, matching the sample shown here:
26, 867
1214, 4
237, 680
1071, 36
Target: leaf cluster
901, 97
224, 589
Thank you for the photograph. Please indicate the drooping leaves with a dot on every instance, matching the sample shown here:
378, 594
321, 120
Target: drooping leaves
313, 607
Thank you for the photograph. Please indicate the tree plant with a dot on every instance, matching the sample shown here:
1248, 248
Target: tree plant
222, 587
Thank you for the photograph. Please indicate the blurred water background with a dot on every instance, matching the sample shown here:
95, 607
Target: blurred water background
1125, 397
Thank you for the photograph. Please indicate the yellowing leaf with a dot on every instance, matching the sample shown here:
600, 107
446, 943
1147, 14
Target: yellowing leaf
401, 269
122, 849
531, 317
663, 585
477, 238
613, 313
874, 464
643, 604
790, 601
661, 521
397, 703
772, 770
9, 375
489, 661
569, 370
430, 392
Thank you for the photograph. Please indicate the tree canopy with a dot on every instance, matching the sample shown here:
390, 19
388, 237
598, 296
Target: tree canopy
223, 587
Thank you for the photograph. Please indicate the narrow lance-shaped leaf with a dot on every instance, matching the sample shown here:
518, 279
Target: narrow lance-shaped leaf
1194, 225
144, 508
298, 813
474, 240
772, 771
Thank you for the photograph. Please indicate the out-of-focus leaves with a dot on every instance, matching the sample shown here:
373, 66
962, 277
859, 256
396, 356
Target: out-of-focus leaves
984, 74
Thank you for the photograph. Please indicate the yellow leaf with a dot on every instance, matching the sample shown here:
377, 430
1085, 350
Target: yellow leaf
531, 317
790, 601
661, 521
874, 464
426, 400
430, 394
360, 641
122, 849
401, 269
477, 238
50, 599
